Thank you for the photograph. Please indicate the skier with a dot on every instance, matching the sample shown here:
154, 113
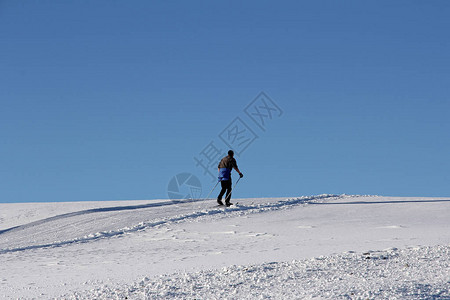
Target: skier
226, 165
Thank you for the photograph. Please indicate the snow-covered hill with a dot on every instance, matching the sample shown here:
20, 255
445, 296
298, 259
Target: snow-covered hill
325, 246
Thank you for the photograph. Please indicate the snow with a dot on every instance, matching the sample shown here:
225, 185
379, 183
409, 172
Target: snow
324, 247
386, 274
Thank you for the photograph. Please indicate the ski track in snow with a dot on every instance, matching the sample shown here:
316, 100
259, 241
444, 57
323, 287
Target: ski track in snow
17, 238
259, 249
414, 273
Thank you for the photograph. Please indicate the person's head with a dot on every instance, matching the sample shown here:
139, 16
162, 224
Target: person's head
231, 153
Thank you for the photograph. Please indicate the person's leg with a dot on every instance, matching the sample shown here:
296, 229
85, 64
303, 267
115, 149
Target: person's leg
222, 191
228, 196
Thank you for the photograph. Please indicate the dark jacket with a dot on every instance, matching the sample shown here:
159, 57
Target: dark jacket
225, 166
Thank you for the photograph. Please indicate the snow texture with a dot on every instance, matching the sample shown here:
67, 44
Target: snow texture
416, 273
321, 247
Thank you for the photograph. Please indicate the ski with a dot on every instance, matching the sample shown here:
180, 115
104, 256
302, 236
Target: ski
226, 206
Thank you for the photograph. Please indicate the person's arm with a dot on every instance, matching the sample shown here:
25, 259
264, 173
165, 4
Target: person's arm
237, 169
239, 172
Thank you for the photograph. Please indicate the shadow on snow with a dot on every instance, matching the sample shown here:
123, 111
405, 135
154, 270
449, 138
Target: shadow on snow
145, 225
99, 210
315, 200
383, 202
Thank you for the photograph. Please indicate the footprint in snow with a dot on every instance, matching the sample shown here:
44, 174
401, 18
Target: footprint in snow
391, 227
306, 226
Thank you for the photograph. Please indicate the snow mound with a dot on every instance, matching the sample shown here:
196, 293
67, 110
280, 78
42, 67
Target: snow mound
105, 222
261, 248
413, 273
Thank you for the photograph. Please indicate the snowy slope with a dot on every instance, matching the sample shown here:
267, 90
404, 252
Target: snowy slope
323, 246
415, 273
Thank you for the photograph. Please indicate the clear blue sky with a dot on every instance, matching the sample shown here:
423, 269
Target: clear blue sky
108, 100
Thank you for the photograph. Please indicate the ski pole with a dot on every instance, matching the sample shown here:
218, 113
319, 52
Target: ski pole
236, 183
229, 197
212, 191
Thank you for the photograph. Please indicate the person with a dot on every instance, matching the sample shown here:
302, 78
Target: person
226, 165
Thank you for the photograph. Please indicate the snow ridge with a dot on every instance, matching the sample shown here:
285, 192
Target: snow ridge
412, 273
192, 215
